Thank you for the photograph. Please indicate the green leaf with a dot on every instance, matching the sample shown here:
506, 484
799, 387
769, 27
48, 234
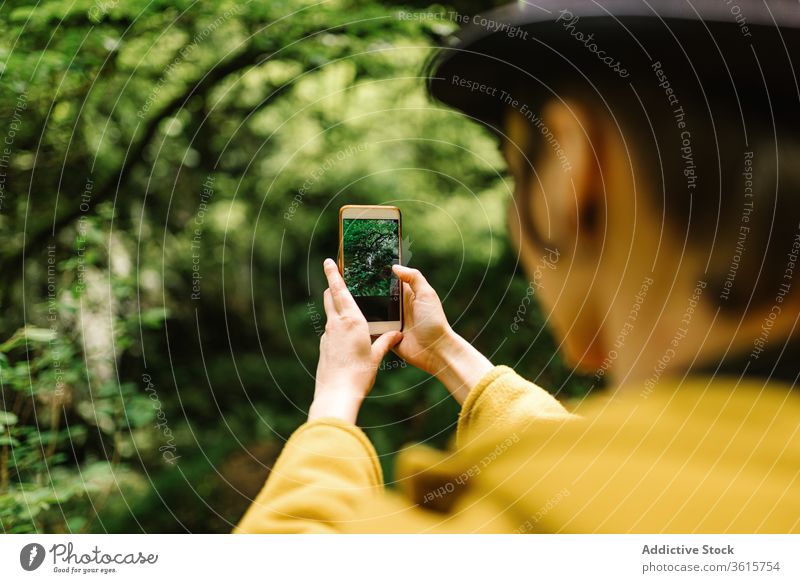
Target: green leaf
76, 523
7, 418
31, 333
154, 317
38, 334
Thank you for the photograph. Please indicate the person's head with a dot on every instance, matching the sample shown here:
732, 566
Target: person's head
658, 230
671, 201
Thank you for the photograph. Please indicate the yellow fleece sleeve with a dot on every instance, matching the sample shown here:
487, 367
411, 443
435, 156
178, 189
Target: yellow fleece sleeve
504, 401
326, 470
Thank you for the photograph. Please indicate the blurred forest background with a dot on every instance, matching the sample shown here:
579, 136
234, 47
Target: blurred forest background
170, 176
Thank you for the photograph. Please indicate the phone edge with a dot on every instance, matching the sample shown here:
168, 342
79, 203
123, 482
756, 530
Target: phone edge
340, 253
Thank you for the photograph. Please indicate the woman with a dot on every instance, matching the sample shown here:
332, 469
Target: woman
669, 201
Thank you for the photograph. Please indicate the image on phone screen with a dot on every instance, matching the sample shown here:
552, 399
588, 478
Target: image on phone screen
370, 248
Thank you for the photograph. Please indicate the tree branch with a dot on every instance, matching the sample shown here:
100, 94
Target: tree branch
116, 181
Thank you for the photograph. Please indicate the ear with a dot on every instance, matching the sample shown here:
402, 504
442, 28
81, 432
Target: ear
569, 194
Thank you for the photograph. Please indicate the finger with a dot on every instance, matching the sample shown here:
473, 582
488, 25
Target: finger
408, 296
342, 299
412, 277
385, 342
399, 349
327, 301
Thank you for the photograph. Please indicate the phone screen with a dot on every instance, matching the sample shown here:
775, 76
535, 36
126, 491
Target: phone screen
370, 247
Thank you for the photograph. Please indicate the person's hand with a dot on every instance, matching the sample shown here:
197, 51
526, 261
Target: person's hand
428, 341
348, 359
424, 323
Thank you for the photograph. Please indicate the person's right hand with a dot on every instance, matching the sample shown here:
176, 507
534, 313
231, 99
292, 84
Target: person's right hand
424, 324
430, 344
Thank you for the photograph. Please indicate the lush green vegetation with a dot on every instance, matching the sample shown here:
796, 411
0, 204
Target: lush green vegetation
370, 249
170, 176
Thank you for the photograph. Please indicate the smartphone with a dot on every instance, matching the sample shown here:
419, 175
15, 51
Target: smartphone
369, 244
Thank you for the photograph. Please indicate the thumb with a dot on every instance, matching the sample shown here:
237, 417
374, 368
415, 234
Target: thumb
384, 343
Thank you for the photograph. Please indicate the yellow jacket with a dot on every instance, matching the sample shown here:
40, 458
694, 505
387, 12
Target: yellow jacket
702, 455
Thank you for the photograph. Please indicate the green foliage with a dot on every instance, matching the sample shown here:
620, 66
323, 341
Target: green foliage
67, 427
370, 249
169, 193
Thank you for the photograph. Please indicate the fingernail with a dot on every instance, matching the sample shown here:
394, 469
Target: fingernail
327, 260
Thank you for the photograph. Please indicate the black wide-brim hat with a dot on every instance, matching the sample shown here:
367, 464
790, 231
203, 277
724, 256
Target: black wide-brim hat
744, 50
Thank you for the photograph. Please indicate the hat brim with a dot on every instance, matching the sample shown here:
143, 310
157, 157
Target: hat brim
703, 45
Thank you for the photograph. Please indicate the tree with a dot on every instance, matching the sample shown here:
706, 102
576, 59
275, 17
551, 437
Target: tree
166, 199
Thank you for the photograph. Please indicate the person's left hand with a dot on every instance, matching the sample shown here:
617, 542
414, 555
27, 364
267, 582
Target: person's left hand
348, 360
